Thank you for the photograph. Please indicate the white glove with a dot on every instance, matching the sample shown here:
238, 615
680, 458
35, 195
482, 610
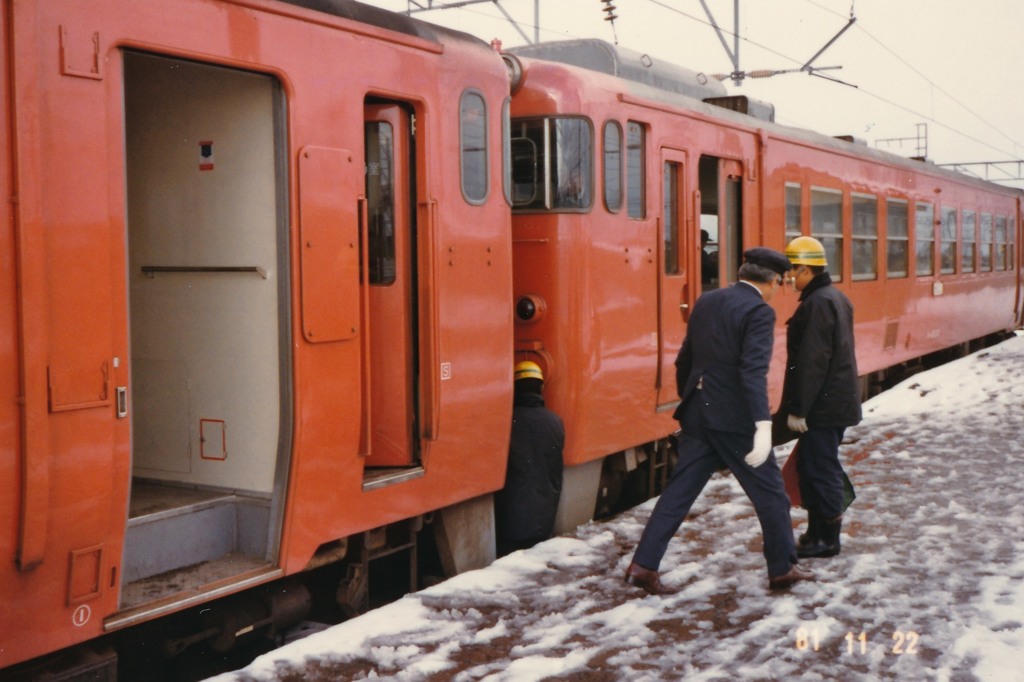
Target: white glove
798, 424
762, 444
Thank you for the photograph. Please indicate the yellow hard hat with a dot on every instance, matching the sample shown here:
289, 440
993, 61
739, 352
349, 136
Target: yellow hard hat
528, 370
806, 251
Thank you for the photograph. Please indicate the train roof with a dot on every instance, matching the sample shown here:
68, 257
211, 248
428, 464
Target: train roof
692, 91
598, 55
386, 19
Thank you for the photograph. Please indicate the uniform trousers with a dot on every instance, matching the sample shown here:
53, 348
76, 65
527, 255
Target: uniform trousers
819, 471
702, 451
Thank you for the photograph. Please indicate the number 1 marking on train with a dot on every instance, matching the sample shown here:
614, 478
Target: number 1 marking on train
81, 615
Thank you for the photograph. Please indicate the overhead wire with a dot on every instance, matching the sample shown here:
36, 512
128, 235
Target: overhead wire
925, 78
876, 96
930, 119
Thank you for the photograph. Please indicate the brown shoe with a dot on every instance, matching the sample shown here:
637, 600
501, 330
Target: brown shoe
645, 578
795, 575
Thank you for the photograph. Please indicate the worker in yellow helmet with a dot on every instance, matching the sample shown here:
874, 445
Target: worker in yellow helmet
524, 510
820, 394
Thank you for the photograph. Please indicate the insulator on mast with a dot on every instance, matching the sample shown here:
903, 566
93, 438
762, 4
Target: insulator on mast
609, 10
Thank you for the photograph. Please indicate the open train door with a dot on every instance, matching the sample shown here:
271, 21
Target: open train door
679, 271
208, 306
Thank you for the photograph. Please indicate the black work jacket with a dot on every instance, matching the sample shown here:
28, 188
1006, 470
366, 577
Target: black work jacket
821, 366
525, 508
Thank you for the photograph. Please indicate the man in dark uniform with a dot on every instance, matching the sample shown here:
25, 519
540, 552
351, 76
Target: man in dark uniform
820, 395
524, 510
722, 378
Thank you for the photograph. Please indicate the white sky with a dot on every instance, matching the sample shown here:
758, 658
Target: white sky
931, 572
957, 65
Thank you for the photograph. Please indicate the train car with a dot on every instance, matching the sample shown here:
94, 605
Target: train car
619, 164
256, 295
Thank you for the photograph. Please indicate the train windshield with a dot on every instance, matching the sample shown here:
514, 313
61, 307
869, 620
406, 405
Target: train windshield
552, 164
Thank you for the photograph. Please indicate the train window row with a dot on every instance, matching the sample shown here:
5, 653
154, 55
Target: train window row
552, 169
967, 240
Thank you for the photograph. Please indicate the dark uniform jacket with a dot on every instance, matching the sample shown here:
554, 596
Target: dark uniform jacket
727, 349
821, 367
525, 509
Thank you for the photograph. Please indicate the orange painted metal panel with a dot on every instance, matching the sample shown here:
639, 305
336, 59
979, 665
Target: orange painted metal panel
329, 232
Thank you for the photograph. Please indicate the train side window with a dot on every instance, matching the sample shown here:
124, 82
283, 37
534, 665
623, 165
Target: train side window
473, 141
897, 222
947, 245
636, 204
865, 237
827, 226
985, 245
613, 166
924, 233
999, 261
970, 242
794, 209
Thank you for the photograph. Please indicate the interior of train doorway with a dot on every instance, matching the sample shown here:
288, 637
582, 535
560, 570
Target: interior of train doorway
721, 218
208, 310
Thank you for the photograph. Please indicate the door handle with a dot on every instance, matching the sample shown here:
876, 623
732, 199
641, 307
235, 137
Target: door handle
122, 402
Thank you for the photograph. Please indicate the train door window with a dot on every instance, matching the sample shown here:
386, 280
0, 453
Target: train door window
552, 164
970, 242
897, 246
865, 237
613, 166
827, 226
985, 244
473, 138
670, 211
380, 142
636, 191
732, 227
794, 209
999, 260
947, 241
924, 235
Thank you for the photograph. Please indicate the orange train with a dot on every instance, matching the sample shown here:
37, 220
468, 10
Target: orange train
268, 265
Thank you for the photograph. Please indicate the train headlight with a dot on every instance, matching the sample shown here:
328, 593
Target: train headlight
530, 308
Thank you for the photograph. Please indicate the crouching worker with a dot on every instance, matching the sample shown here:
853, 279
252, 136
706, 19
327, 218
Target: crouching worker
525, 508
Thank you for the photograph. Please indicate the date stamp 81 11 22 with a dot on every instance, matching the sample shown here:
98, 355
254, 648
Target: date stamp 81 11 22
899, 642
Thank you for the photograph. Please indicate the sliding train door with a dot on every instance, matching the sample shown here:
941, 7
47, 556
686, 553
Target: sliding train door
208, 307
679, 272
391, 309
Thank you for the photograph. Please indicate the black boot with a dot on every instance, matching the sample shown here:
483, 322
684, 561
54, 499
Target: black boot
813, 534
827, 544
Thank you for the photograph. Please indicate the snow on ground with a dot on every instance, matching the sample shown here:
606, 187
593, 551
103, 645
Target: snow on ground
929, 586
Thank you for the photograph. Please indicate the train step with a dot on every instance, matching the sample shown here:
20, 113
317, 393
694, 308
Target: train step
171, 527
